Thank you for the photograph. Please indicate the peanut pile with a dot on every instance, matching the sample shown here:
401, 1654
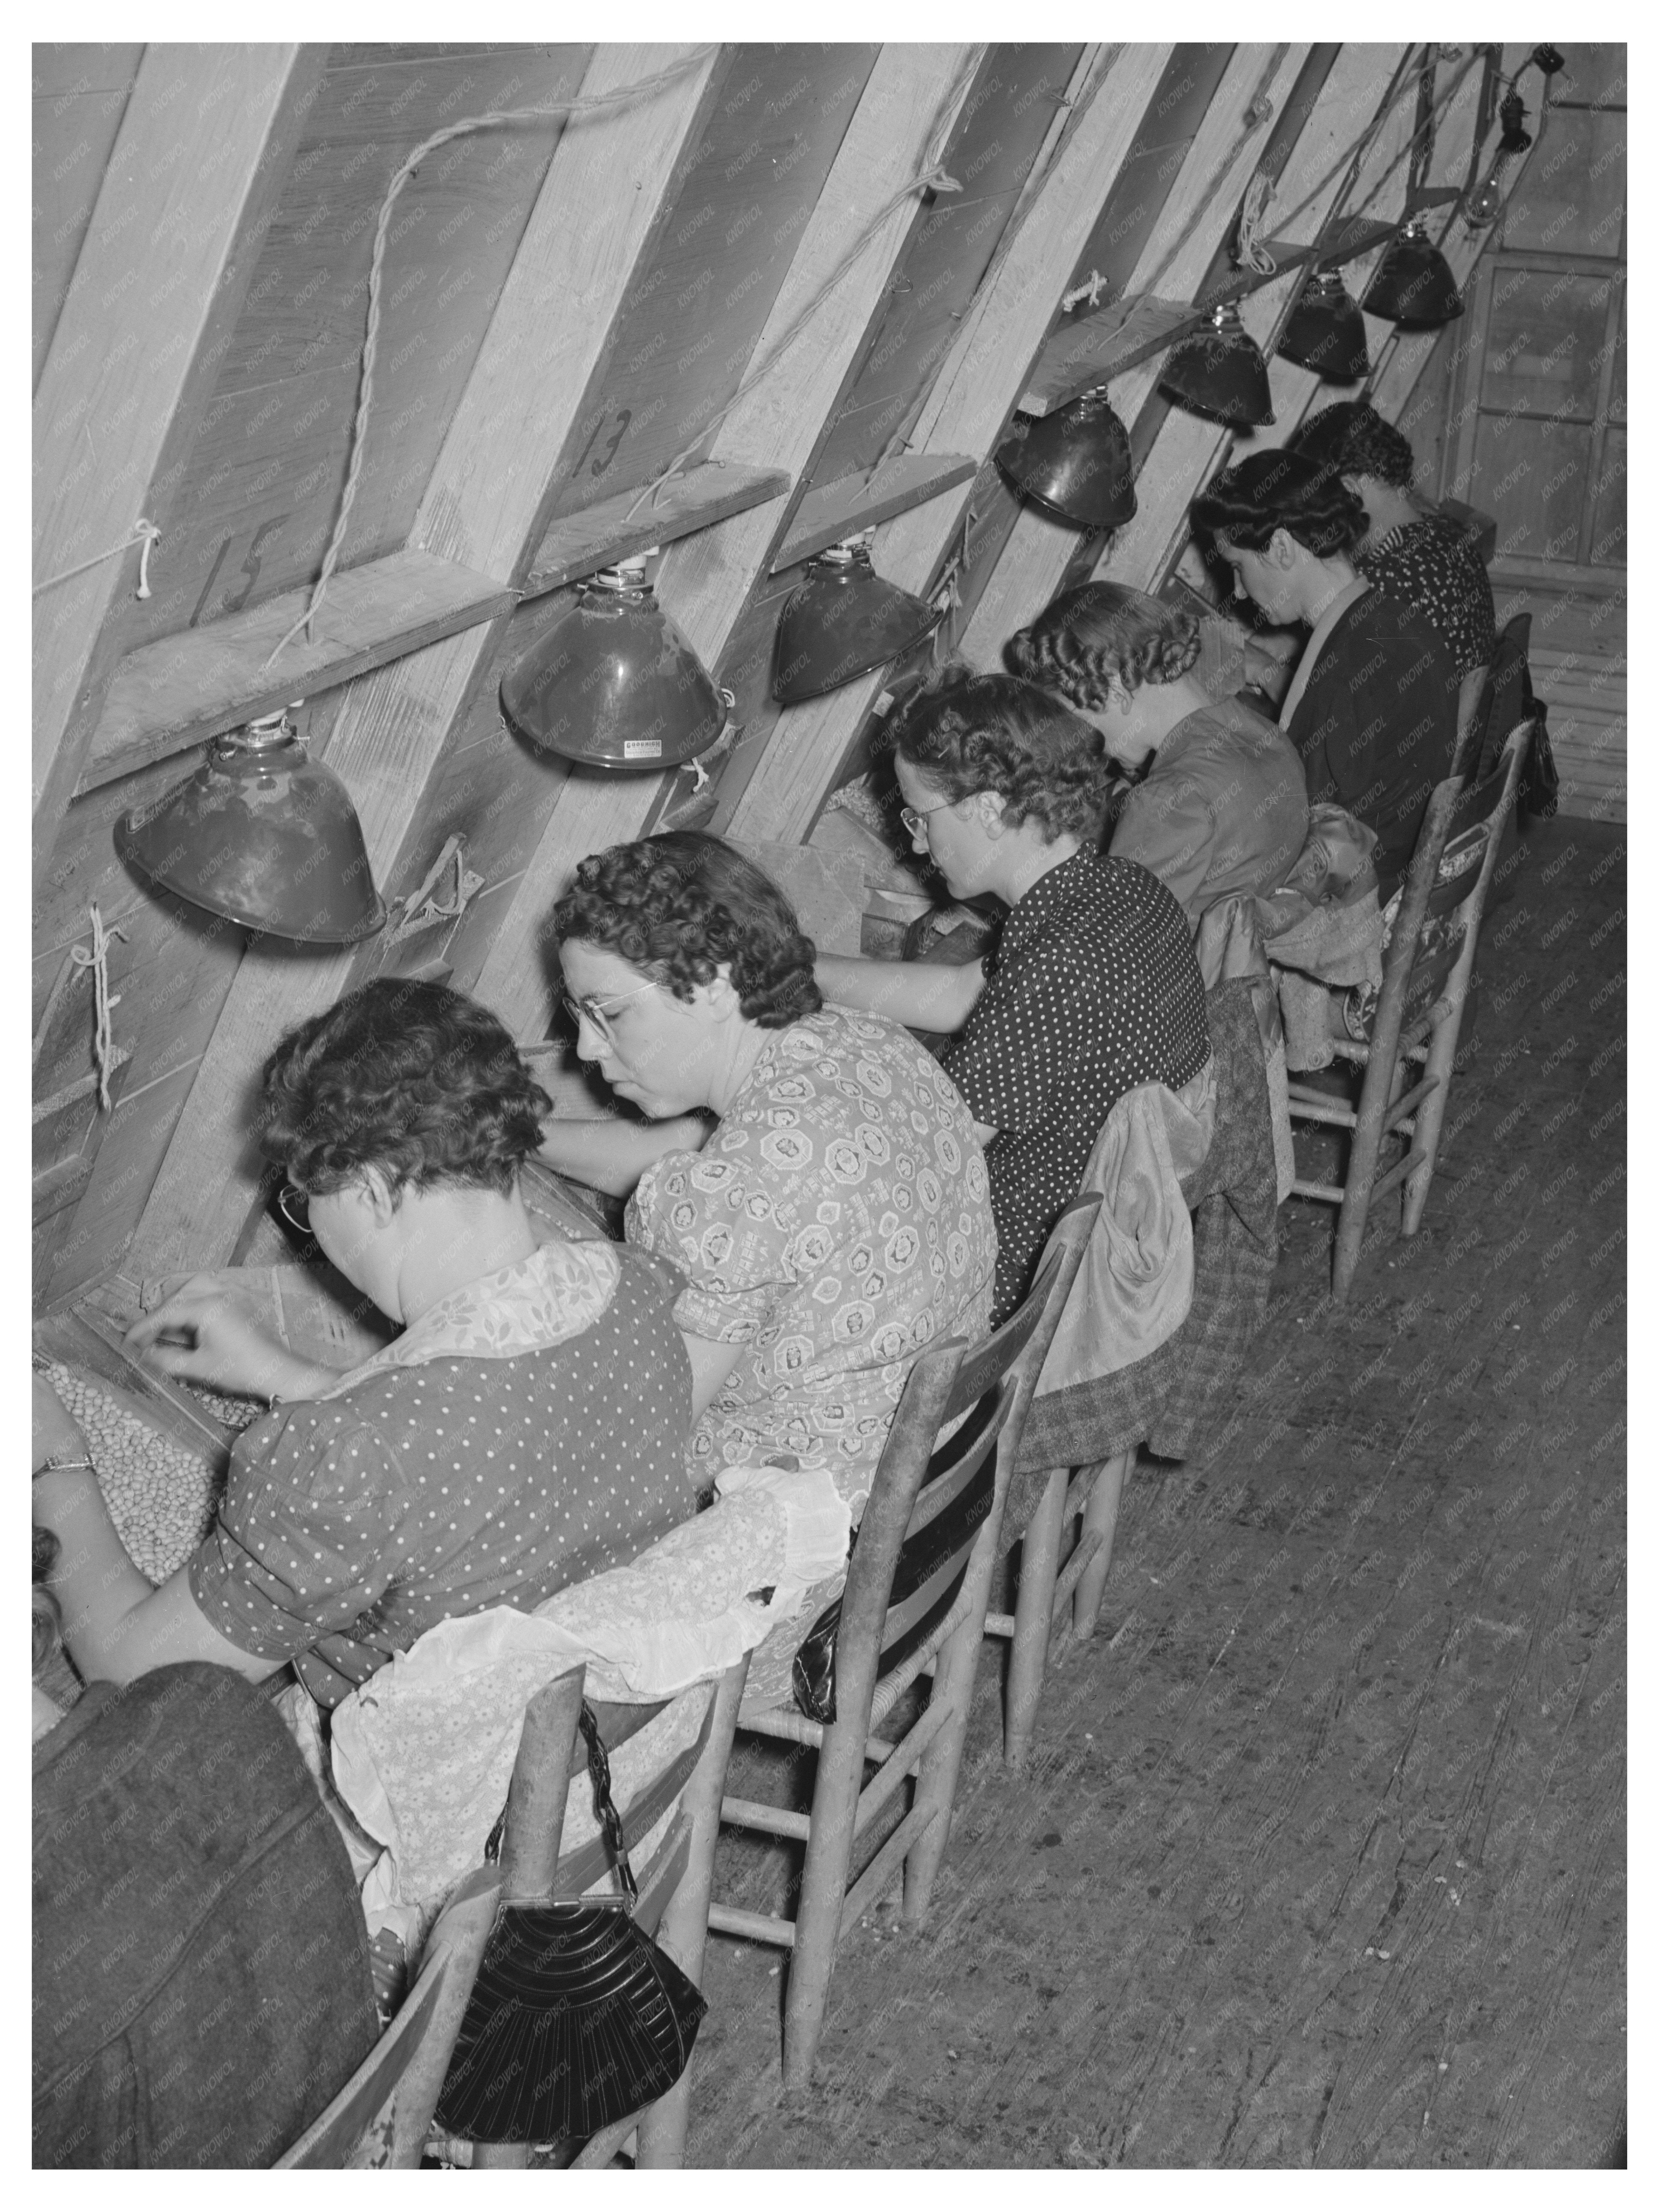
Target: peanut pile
161, 1496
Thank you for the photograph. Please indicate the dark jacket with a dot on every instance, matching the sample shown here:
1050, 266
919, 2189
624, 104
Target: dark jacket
202, 1983
1377, 726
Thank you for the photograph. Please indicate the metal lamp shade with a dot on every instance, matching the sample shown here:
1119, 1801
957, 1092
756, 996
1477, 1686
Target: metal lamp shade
263, 835
841, 621
1326, 331
1219, 372
1413, 285
614, 684
1074, 464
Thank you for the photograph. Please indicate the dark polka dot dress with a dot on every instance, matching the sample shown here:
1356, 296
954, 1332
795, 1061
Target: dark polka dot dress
350, 1526
1091, 988
1432, 567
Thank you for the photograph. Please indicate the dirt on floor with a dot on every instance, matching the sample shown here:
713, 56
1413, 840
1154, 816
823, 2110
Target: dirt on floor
1319, 1859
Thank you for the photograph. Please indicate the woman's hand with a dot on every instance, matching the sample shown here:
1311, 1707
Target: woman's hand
56, 1434
202, 1335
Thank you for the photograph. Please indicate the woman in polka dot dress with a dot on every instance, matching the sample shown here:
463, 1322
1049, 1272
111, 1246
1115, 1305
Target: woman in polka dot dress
1092, 986
836, 1220
527, 1428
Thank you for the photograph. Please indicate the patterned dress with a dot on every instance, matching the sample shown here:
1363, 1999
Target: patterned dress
1092, 987
836, 1223
1432, 567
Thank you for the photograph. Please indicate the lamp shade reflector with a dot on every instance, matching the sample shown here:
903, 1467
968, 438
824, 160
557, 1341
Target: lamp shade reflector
1219, 372
613, 685
1413, 285
841, 621
1326, 331
1074, 464
263, 835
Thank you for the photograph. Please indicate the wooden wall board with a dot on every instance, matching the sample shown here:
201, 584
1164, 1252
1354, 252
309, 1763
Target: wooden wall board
611, 529
853, 504
967, 408
707, 582
260, 491
178, 690
1219, 162
680, 346
131, 360
80, 95
995, 139
596, 219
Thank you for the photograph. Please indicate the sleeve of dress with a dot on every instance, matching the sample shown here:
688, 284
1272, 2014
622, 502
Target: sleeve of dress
301, 1546
1021, 1039
1170, 828
713, 1213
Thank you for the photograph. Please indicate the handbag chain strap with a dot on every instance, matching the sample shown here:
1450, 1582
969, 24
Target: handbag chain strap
599, 1773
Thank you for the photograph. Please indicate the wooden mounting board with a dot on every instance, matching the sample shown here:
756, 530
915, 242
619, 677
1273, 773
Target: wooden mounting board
174, 693
1087, 353
830, 513
612, 528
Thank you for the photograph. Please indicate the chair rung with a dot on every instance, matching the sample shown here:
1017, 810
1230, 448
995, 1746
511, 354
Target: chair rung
746, 1812
874, 1882
1347, 1049
779, 1722
1307, 1107
1403, 1108
1397, 1173
1082, 1489
1331, 1193
877, 1747
999, 1624
758, 1926
1069, 1576
875, 1794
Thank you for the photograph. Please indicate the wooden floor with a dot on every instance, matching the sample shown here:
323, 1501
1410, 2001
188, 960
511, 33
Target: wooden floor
1320, 1860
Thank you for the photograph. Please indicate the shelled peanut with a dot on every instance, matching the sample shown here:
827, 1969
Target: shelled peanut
161, 1497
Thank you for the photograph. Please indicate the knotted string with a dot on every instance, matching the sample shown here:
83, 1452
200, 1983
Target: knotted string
144, 534
97, 959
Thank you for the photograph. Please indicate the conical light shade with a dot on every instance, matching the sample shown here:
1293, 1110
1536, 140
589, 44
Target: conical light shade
1326, 332
614, 684
1413, 285
1075, 464
841, 621
263, 835
1219, 372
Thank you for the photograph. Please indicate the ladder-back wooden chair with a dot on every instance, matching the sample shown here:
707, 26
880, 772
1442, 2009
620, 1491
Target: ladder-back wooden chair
383, 2116
917, 1588
1407, 1062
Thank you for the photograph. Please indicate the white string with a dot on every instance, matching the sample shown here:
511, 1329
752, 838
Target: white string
144, 533
1252, 253
98, 960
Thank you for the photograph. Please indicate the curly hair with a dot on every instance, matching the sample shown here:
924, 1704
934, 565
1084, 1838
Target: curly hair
1279, 490
1097, 631
678, 906
968, 732
1353, 440
47, 1629
411, 1078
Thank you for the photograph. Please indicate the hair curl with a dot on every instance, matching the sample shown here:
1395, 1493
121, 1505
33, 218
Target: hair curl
968, 732
1353, 440
46, 1628
1280, 490
1097, 632
411, 1078
679, 906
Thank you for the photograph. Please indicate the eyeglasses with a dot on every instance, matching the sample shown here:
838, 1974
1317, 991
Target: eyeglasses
597, 1012
294, 1206
914, 818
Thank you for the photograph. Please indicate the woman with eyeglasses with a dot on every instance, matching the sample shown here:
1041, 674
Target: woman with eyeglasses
525, 1430
1092, 986
835, 1222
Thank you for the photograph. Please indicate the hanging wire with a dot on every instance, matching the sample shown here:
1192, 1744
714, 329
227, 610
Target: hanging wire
144, 533
1259, 112
103, 1041
572, 111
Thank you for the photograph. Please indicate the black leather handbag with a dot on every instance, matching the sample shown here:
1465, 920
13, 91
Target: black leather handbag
577, 2019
